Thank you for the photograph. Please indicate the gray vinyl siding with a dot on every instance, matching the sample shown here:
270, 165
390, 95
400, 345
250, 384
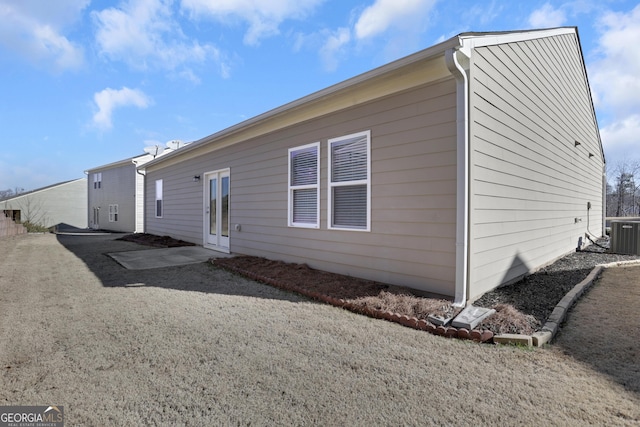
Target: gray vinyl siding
529, 182
118, 187
413, 184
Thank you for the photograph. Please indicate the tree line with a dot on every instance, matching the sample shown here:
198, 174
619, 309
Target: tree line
623, 189
5, 194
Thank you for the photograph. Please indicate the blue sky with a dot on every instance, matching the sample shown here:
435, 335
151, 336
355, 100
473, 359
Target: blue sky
85, 83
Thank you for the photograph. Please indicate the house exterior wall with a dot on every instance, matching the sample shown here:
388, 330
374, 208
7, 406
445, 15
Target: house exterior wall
117, 186
63, 203
413, 183
529, 182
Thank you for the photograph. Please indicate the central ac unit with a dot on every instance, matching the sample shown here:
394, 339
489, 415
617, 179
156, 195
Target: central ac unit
625, 237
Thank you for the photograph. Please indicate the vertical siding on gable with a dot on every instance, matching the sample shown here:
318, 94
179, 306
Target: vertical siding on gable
529, 181
413, 155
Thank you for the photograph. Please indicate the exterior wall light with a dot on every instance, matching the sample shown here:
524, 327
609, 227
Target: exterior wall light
196, 178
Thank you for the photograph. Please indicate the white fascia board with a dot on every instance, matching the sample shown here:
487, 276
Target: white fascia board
470, 41
316, 97
117, 164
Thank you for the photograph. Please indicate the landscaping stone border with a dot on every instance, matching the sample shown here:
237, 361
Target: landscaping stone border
537, 339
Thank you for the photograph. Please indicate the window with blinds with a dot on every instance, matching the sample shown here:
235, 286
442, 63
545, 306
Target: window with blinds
159, 198
304, 186
349, 182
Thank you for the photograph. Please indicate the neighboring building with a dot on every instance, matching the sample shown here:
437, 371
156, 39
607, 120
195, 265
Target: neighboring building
454, 170
63, 203
116, 195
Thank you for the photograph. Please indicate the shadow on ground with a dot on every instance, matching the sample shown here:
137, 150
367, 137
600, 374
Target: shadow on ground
202, 277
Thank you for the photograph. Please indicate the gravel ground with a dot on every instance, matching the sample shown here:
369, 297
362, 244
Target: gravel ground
194, 345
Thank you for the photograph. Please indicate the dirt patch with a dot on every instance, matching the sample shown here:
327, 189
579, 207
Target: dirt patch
155, 241
602, 330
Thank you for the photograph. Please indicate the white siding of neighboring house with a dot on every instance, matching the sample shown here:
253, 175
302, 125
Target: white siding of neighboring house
413, 184
62, 203
530, 102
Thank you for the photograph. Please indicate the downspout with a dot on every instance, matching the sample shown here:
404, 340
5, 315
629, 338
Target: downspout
603, 231
89, 217
144, 196
461, 73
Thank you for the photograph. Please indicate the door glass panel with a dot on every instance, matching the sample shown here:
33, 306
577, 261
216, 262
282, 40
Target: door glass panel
213, 203
224, 194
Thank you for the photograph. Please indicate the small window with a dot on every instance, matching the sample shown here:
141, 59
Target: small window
113, 213
304, 186
349, 198
97, 180
159, 198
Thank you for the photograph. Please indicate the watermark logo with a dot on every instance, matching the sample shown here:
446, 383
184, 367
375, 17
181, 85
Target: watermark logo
31, 416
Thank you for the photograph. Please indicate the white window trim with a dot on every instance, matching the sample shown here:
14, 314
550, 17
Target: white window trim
331, 185
113, 213
160, 191
291, 188
97, 180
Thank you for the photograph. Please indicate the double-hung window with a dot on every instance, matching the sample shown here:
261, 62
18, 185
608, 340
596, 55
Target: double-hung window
159, 198
349, 192
304, 186
113, 213
97, 180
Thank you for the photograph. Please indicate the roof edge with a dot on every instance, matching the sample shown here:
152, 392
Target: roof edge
422, 55
464, 41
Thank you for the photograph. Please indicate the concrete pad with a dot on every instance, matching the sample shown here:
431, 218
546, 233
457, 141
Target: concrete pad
166, 257
471, 317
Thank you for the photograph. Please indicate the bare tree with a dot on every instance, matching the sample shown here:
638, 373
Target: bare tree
5, 194
32, 213
623, 194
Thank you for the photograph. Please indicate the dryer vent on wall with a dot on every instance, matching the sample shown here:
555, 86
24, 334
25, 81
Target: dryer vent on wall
625, 237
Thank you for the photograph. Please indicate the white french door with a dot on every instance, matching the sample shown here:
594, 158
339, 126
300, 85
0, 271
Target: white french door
216, 205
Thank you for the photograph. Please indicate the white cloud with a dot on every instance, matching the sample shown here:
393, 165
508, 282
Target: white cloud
143, 34
615, 75
547, 17
615, 80
34, 29
384, 14
333, 47
621, 138
263, 16
109, 99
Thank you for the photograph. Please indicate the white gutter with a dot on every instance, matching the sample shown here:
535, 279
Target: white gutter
460, 72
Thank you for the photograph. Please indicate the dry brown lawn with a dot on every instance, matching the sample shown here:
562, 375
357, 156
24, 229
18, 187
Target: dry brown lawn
195, 345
